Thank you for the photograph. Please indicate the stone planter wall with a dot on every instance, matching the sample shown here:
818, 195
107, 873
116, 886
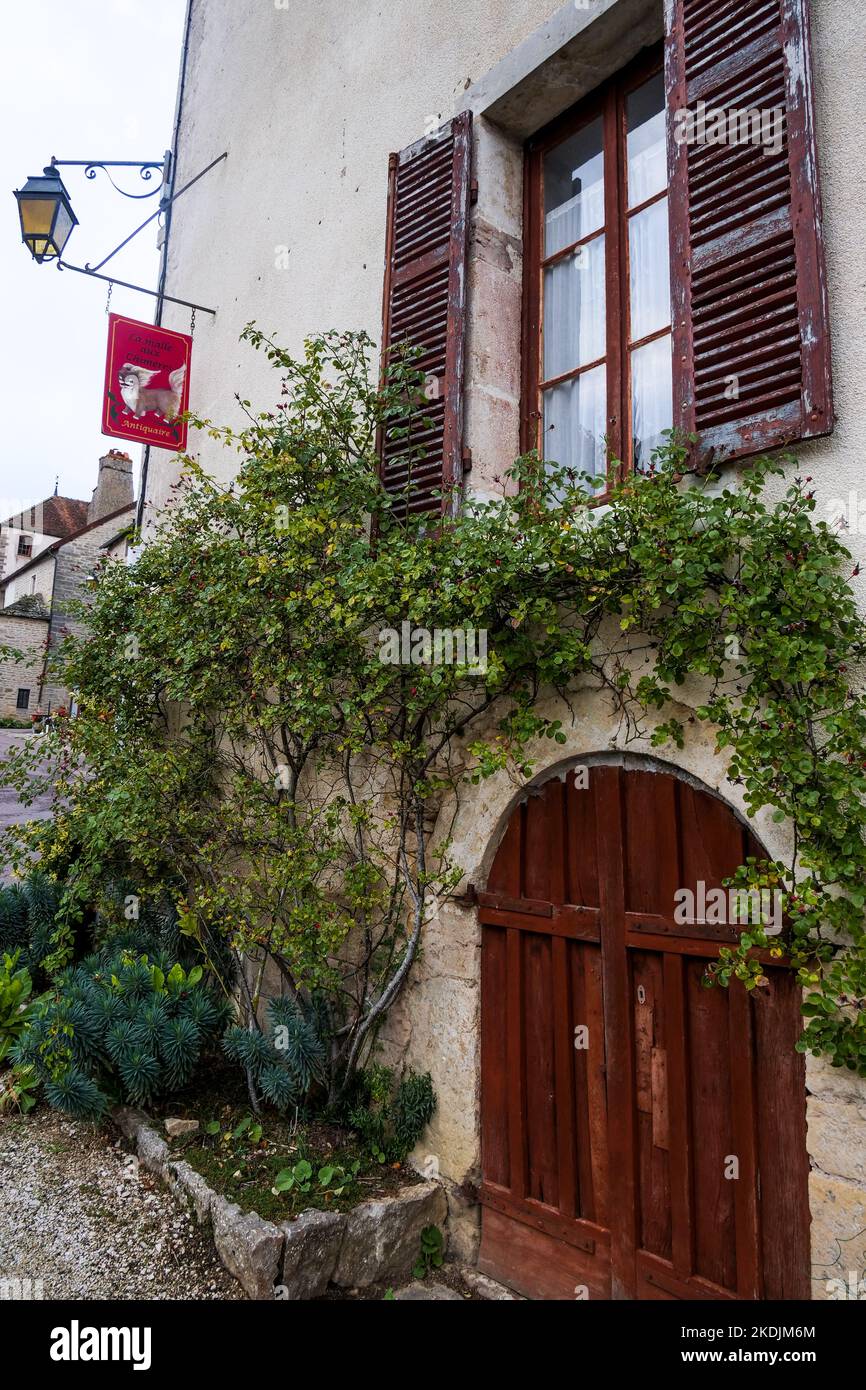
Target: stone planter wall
376, 1242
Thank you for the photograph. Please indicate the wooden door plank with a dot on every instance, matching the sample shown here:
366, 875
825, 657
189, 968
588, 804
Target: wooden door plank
710, 1101
566, 1111
539, 1062
743, 1118
578, 1062
505, 873
658, 1274
783, 1160
515, 1055
574, 1231
494, 1075
654, 1197
619, 1050
682, 1226
591, 1068
536, 860
651, 842
537, 1264
581, 885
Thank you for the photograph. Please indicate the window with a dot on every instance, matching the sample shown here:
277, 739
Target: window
597, 357
25, 545
23, 701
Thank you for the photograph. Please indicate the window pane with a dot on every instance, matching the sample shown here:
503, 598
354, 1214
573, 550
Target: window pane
649, 268
574, 310
652, 397
647, 146
574, 189
575, 422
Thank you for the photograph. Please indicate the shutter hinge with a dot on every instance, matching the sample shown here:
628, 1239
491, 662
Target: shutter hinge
466, 458
473, 192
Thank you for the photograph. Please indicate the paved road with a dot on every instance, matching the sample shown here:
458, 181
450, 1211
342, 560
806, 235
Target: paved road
11, 809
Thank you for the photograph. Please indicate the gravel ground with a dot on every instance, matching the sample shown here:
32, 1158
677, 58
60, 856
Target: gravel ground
75, 1213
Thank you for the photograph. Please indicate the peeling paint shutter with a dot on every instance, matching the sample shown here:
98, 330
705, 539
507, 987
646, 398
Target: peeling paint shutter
751, 327
425, 307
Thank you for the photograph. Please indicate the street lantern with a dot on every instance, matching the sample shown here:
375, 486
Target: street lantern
46, 215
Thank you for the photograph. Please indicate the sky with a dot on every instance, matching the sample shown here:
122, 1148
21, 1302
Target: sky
93, 79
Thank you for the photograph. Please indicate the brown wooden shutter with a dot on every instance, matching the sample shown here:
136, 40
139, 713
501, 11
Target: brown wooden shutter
425, 307
748, 278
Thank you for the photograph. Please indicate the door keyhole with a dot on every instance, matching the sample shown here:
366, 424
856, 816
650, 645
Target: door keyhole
641, 994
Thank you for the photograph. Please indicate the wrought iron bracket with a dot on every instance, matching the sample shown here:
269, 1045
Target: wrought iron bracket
146, 170
125, 284
90, 167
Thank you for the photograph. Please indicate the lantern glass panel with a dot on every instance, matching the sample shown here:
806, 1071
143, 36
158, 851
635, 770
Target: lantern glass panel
37, 215
62, 227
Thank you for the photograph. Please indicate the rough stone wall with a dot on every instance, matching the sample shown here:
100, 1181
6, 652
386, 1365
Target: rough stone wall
26, 635
76, 559
836, 1116
113, 485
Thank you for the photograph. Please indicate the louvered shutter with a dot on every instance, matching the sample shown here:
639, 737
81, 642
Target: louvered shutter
748, 280
425, 307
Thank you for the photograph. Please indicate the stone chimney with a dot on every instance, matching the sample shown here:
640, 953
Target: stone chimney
114, 486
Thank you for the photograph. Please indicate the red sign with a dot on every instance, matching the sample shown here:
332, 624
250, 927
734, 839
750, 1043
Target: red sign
146, 383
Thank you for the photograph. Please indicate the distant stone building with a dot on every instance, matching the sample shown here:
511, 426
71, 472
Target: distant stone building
23, 627
26, 534
38, 595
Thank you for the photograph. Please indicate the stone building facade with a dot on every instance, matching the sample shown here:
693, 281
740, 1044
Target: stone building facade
37, 597
24, 629
377, 80
31, 530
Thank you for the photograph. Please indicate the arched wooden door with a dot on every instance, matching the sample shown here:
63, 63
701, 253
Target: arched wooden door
606, 1168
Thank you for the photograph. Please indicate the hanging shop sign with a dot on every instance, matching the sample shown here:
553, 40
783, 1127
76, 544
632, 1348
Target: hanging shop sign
146, 389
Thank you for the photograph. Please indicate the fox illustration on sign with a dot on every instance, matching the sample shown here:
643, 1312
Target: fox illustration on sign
139, 397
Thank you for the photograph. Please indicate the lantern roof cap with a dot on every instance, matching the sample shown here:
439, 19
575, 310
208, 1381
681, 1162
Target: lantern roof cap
47, 184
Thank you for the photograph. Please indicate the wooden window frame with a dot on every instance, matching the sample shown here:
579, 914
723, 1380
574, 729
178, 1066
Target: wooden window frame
22, 690
609, 101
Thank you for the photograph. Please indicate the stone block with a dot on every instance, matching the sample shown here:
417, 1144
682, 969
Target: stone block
250, 1248
383, 1236
312, 1246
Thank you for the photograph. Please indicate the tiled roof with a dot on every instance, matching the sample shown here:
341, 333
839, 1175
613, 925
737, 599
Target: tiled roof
56, 516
